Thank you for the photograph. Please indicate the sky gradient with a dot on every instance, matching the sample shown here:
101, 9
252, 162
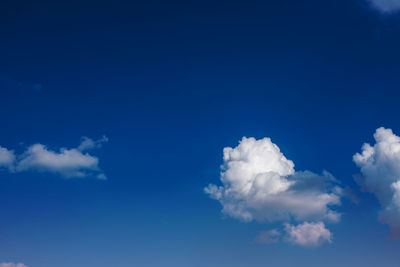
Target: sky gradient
160, 89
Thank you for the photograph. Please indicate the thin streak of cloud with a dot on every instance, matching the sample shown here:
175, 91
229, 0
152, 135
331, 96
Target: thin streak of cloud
386, 6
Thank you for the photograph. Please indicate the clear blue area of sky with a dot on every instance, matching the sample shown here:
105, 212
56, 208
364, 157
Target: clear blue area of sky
171, 83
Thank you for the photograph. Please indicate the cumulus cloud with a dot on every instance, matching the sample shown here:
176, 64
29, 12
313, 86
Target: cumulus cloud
308, 234
259, 183
380, 174
386, 6
10, 264
65, 162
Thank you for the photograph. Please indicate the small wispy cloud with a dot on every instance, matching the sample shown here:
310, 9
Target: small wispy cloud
66, 162
10, 264
268, 237
308, 234
386, 6
87, 143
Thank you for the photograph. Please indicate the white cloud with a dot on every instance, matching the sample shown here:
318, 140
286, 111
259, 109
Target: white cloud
260, 183
7, 158
308, 234
386, 6
87, 143
380, 169
268, 237
10, 264
65, 162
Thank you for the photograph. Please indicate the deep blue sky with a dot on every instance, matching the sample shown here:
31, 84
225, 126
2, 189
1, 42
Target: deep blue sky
171, 83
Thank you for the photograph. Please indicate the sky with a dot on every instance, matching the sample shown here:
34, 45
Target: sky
199, 133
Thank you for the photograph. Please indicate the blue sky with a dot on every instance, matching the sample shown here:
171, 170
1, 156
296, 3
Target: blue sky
158, 90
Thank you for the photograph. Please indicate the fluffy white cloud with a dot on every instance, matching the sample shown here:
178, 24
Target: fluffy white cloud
260, 183
10, 264
66, 162
380, 169
386, 6
308, 234
7, 158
